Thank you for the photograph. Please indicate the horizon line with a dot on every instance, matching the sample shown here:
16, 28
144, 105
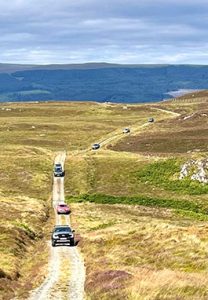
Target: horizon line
102, 63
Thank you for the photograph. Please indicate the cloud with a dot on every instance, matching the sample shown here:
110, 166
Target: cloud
150, 31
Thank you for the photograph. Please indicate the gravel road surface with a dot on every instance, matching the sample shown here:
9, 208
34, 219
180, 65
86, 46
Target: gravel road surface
66, 271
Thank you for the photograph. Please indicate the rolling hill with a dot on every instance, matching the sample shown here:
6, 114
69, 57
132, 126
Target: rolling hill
98, 82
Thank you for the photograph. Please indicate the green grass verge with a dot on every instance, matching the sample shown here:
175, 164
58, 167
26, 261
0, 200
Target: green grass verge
181, 207
166, 173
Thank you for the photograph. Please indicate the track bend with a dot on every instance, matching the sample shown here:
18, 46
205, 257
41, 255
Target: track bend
173, 113
66, 271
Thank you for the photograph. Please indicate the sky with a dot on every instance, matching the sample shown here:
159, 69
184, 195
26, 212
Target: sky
114, 31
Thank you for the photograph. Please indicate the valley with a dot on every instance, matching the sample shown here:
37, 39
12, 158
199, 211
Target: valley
101, 82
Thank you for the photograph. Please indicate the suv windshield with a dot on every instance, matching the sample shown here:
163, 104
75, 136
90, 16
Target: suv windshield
58, 168
61, 229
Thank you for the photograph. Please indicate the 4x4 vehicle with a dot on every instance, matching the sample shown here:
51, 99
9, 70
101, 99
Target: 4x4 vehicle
95, 146
126, 130
58, 170
62, 234
63, 208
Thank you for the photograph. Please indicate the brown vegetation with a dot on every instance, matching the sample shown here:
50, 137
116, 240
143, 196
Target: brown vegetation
181, 135
141, 253
131, 252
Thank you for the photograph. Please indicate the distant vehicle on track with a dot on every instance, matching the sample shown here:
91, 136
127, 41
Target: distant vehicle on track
58, 170
62, 234
151, 120
126, 130
95, 146
63, 208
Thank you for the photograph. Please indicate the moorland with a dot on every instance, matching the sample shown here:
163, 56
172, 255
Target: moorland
143, 230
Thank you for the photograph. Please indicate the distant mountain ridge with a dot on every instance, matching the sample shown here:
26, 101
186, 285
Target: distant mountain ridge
98, 82
10, 68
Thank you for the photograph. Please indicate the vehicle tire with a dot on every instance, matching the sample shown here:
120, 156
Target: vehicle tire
72, 242
53, 244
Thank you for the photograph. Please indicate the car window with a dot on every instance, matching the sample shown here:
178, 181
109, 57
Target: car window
60, 229
58, 169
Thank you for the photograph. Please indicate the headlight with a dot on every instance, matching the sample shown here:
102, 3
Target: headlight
55, 236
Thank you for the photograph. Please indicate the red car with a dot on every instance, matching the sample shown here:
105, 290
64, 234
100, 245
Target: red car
63, 208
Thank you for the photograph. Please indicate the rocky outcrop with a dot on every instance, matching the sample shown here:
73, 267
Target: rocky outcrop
196, 170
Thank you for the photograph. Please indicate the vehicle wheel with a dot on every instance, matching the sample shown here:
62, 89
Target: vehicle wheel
53, 244
72, 242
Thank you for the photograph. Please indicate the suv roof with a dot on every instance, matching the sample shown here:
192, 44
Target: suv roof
57, 226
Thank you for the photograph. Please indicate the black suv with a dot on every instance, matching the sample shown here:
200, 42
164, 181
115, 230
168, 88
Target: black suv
151, 120
62, 234
58, 170
95, 146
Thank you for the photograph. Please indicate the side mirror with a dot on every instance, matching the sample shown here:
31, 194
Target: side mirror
73, 230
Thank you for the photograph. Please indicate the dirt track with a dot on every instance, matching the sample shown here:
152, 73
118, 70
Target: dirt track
174, 114
66, 271
135, 129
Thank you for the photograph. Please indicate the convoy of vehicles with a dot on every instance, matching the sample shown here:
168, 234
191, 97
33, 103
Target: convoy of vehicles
63, 234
